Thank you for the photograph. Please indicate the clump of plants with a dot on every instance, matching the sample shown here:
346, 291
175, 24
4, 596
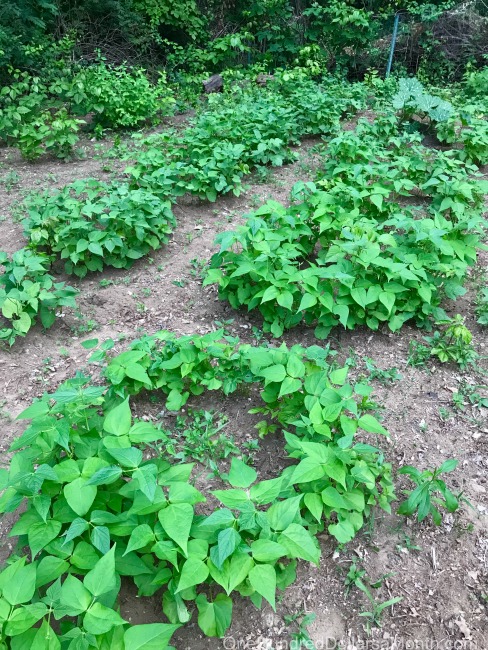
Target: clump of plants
92, 224
97, 509
345, 251
451, 344
29, 293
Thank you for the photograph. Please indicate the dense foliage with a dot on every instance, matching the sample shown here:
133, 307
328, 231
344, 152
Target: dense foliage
43, 115
27, 292
100, 509
350, 249
94, 224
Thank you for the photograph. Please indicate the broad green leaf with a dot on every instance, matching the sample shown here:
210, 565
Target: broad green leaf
45, 638
235, 499
281, 514
176, 519
214, 618
307, 470
118, 420
140, 537
343, 531
266, 491
180, 492
77, 528
75, 597
100, 538
101, 578
41, 534
127, 456
299, 543
227, 542
18, 582
80, 496
24, 618
314, 504
100, 619
150, 636
49, 569
240, 474
265, 550
289, 386
263, 578
371, 425
193, 572
105, 475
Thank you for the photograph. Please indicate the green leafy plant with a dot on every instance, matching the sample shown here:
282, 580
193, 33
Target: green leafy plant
199, 436
121, 97
482, 306
94, 224
301, 638
431, 493
412, 99
472, 394
358, 578
452, 344
99, 510
27, 292
383, 376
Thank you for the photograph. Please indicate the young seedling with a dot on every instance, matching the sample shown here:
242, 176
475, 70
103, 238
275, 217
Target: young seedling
423, 499
451, 344
301, 638
357, 577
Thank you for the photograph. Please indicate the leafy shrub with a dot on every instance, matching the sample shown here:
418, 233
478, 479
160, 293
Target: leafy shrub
423, 500
347, 251
245, 129
471, 133
412, 99
28, 291
104, 514
321, 262
476, 83
452, 344
94, 224
121, 97
26, 122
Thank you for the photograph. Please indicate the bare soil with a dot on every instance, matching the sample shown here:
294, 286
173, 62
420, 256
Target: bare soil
441, 573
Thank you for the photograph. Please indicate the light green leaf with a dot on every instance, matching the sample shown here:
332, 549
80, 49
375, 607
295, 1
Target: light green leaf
141, 536
118, 420
80, 496
214, 618
263, 578
299, 543
176, 519
193, 572
371, 425
265, 550
75, 597
100, 619
102, 577
151, 636
240, 474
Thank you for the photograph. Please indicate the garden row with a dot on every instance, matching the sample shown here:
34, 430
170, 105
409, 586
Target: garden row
369, 258
100, 502
387, 231
92, 224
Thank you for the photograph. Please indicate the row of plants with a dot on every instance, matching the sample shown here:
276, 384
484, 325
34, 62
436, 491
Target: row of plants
46, 115
100, 502
387, 231
92, 224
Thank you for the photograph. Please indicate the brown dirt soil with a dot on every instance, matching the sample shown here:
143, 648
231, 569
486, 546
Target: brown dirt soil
441, 573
